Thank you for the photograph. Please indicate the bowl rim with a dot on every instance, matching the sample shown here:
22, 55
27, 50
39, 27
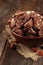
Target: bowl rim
25, 36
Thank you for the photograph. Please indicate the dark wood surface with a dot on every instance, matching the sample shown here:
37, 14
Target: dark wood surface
12, 57
2, 45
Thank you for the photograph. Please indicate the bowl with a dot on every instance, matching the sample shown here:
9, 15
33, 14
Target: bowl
28, 40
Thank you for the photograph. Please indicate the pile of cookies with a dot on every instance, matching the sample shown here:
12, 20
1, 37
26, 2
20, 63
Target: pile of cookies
27, 23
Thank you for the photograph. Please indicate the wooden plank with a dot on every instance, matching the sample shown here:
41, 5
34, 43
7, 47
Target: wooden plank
2, 44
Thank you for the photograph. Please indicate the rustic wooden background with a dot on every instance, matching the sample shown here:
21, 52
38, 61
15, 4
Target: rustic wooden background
7, 8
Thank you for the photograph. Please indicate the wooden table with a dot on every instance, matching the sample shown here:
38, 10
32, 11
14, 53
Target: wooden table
12, 57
